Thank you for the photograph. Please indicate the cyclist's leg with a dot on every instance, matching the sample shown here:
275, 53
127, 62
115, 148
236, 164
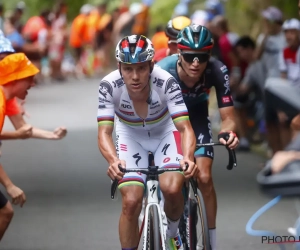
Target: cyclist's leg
132, 190
167, 155
204, 160
6, 214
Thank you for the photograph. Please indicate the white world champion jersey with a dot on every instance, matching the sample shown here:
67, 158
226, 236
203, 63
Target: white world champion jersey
165, 102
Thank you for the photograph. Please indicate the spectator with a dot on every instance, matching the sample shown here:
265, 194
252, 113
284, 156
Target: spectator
160, 40
16, 77
181, 9
141, 21
58, 41
253, 82
214, 8
15, 112
271, 42
13, 35
226, 42
289, 66
289, 60
123, 25
17, 16
78, 29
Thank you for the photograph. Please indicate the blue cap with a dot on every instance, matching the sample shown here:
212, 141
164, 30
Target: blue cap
5, 45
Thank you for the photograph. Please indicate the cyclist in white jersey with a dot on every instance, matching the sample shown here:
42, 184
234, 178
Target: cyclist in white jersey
150, 116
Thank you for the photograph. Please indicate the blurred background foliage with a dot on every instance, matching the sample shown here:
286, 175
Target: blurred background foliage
243, 15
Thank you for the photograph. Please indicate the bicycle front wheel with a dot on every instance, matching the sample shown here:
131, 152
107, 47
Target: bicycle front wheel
199, 232
153, 239
196, 230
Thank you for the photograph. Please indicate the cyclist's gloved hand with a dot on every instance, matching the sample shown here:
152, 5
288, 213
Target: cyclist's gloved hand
190, 170
228, 138
113, 170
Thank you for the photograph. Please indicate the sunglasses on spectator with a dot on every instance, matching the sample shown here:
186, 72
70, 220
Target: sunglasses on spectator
191, 57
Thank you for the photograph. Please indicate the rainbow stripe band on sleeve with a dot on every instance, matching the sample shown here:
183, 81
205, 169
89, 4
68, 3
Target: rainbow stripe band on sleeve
105, 120
180, 116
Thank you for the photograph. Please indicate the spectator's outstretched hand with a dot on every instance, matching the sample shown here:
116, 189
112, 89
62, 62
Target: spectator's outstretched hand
59, 133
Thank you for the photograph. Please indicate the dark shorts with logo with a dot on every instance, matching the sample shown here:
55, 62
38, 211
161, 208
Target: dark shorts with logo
202, 128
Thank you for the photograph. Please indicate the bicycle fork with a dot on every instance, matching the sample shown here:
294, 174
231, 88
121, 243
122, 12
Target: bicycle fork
152, 198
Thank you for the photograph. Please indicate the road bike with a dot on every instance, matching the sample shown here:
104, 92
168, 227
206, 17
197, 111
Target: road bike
193, 225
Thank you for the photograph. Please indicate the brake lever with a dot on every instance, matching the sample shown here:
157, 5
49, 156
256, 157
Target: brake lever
232, 158
113, 189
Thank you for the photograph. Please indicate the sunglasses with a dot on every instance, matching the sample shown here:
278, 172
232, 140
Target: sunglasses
191, 57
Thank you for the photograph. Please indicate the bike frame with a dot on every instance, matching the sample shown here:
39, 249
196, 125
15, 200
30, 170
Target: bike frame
152, 200
152, 197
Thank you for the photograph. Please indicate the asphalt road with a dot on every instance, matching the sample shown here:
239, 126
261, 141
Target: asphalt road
68, 192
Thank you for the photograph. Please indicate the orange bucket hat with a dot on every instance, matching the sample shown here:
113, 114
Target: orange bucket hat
15, 67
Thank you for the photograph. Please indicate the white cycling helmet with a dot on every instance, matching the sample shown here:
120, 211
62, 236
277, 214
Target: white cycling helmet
134, 49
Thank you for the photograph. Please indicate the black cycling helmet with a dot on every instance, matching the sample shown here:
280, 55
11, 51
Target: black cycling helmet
175, 25
195, 37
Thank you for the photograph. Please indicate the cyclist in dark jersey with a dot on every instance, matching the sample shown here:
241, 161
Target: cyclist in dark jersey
196, 71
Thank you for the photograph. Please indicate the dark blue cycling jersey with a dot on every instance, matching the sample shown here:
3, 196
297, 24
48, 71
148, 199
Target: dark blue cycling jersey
215, 75
196, 98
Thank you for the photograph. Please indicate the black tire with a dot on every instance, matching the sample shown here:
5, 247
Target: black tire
194, 227
200, 225
153, 239
150, 238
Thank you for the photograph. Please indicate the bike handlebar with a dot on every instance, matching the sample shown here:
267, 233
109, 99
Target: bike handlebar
151, 170
156, 171
231, 153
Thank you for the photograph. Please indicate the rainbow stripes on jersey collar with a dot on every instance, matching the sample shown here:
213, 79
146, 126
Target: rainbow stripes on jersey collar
139, 122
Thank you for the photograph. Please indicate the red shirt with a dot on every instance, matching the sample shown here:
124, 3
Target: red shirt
226, 43
160, 54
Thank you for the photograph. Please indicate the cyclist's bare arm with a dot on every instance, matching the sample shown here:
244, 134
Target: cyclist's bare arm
228, 119
107, 149
106, 144
188, 140
188, 145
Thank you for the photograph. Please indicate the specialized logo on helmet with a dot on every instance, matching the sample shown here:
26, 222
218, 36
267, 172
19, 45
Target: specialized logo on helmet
195, 27
132, 39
